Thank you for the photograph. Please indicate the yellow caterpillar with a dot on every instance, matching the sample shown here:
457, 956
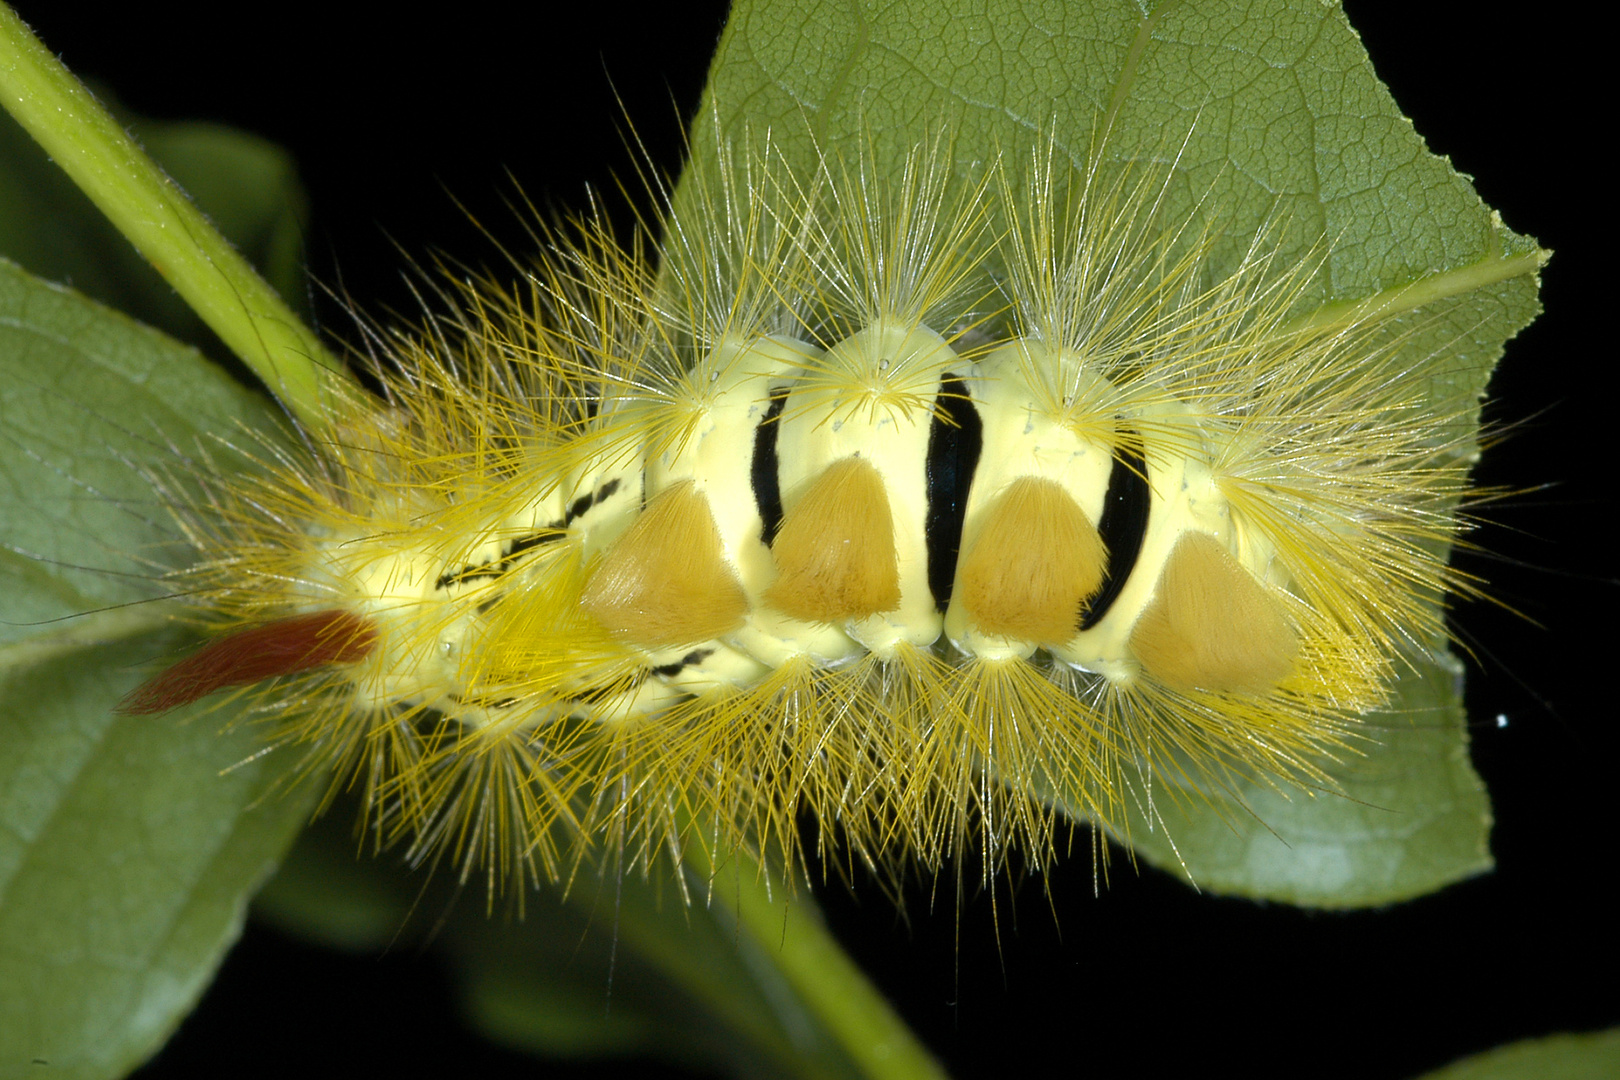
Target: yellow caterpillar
908, 502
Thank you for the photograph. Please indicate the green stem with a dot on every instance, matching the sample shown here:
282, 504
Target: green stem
158, 218
851, 1009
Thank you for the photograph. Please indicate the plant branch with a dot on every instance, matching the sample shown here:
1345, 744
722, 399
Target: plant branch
789, 929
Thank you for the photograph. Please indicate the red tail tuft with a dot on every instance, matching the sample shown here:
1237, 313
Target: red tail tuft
284, 647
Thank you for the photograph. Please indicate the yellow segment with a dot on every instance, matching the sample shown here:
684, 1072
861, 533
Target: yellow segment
1212, 625
1035, 559
835, 553
665, 582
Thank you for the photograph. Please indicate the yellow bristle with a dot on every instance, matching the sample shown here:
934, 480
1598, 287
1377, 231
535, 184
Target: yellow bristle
1035, 560
1212, 626
835, 554
665, 581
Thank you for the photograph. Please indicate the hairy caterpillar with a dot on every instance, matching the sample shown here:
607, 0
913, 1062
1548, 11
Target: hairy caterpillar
757, 536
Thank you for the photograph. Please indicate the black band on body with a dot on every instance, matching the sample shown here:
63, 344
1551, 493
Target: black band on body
1123, 526
763, 474
691, 659
955, 440
516, 548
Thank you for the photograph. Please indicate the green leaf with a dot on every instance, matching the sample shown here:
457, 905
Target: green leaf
127, 857
1410, 815
88, 397
1593, 1056
127, 853
246, 185
1255, 113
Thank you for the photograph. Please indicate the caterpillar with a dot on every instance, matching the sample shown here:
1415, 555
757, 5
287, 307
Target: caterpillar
1237, 440
901, 501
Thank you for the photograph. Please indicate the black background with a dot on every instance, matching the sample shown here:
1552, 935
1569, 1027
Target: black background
387, 114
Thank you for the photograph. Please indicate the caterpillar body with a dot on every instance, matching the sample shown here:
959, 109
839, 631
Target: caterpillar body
910, 503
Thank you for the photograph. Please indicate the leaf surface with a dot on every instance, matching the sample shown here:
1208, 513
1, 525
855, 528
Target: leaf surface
127, 856
127, 853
